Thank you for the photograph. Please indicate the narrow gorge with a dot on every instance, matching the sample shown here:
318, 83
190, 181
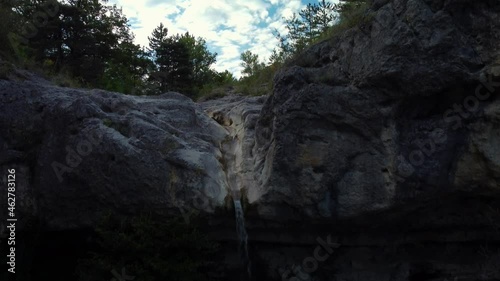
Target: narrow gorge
236, 157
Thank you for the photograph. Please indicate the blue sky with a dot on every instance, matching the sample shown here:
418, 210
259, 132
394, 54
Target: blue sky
229, 26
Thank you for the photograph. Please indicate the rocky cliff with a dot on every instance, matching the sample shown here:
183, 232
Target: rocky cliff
401, 108
381, 145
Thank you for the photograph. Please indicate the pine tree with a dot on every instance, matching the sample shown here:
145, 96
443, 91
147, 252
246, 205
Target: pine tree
200, 59
158, 37
250, 64
309, 22
182, 61
325, 15
178, 65
159, 52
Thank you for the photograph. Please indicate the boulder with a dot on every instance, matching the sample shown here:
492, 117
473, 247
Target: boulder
81, 153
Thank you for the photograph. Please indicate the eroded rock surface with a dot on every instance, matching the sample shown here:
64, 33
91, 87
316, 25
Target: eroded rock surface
238, 115
81, 153
398, 110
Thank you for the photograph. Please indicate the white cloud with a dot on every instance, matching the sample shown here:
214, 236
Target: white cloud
229, 26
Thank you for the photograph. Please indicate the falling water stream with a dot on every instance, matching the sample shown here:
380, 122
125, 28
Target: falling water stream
231, 150
242, 235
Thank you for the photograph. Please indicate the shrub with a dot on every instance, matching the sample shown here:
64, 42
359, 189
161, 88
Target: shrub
354, 15
261, 83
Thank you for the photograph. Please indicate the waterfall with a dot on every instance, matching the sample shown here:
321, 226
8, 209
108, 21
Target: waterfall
242, 235
231, 151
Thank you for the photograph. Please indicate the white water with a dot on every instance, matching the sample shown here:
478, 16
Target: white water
242, 234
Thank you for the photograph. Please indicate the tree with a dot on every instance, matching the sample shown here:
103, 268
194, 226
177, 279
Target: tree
250, 64
178, 66
91, 42
174, 68
127, 69
310, 23
157, 49
304, 28
158, 37
223, 78
91, 33
182, 61
80, 37
325, 15
201, 58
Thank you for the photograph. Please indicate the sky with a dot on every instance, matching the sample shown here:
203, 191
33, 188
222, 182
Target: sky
230, 27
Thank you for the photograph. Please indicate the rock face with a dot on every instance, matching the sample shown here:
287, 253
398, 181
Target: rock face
238, 115
376, 157
400, 109
80, 153
387, 134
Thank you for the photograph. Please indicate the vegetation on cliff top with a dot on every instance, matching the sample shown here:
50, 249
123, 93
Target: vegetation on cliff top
88, 43
313, 24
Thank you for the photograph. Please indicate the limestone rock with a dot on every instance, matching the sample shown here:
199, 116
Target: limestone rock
81, 153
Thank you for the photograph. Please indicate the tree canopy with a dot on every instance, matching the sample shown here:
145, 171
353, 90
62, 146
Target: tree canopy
90, 41
311, 24
182, 61
251, 64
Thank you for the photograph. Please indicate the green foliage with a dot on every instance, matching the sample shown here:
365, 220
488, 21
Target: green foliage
150, 249
88, 43
83, 38
221, 83
158, 37
63, 79
352, 14
258, 79
302, 29
182, 62
260, 83
251, 65
214, 93
223, 78
126, 71
201, 59
175, 69
84, 41
314, 23
318, 22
